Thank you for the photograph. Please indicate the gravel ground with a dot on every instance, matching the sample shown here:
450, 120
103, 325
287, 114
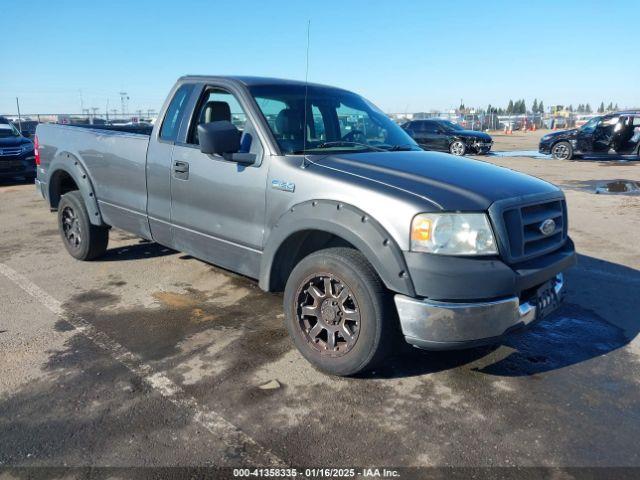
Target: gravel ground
149, 357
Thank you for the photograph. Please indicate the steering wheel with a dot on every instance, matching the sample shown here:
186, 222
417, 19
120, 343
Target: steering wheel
355, 136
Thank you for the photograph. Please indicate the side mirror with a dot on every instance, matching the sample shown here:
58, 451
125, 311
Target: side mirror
223, 138
218, 138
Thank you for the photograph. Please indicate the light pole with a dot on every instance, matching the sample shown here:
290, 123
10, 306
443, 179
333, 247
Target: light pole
124, 96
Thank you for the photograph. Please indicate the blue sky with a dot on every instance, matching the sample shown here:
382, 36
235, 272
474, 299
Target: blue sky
402, 55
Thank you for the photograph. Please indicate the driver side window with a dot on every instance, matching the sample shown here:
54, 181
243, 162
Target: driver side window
219, 105
591, 125
431, 127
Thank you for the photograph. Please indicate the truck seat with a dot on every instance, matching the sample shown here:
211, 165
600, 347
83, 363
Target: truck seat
289, 123
215, 111
289, 128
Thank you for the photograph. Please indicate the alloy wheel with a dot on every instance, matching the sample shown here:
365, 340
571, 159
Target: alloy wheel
328, 314
561, 151
71, 228
457, 148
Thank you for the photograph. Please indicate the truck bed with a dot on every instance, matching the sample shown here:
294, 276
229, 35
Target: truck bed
113, 160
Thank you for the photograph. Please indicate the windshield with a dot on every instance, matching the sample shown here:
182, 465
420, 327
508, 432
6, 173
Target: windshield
8, 130
336, 120
450, 125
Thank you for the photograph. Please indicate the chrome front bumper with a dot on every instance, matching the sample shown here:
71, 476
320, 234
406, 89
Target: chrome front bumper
442, 325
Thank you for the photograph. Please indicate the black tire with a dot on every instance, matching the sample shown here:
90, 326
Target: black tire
82, 240
562, 151
358, 293
458, 148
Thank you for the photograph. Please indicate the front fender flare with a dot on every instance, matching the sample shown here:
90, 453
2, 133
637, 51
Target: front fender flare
351, 224
68, 163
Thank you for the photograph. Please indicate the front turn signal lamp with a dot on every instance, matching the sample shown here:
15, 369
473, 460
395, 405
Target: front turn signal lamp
453, 234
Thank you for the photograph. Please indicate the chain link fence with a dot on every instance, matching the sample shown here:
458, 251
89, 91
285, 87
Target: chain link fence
27, 122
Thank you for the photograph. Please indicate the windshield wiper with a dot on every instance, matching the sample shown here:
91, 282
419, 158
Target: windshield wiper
339, 143
346, 143
401, 148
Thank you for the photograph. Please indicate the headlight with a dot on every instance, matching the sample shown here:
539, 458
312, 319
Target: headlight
453, 234
27, 147
545, 137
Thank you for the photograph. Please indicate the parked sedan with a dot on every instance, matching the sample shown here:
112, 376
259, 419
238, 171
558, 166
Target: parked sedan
446, 136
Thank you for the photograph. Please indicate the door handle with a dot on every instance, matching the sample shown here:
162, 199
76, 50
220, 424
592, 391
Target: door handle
181, 167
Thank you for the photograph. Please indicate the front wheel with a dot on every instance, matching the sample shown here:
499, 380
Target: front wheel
337, 312
562, 151
458, 148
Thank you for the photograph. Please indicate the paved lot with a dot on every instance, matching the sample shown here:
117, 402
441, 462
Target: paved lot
149, 357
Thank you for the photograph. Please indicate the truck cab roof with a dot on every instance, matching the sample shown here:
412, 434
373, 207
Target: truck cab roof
251, 81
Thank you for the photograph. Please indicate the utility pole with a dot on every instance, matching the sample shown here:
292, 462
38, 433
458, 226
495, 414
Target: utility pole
106, 110
123, 99
93, 117
19, 118
81, 101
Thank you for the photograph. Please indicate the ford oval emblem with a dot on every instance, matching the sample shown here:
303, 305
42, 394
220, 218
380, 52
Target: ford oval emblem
548, 227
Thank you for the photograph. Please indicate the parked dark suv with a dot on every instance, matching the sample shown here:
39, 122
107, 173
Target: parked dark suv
613, 134
446, 136
17, 157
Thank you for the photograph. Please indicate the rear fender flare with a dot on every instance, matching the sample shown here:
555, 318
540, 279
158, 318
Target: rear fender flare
70, 164
349, 223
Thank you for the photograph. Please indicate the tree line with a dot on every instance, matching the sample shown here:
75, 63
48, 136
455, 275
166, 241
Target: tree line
519, 107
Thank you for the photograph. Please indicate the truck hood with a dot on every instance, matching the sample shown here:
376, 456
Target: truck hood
451, 183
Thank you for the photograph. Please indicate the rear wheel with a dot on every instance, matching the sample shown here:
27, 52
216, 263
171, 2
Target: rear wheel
337, 312
82, 240
562, 151
458, 148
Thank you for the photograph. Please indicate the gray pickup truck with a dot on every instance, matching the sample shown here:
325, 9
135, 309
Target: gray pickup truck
313, 191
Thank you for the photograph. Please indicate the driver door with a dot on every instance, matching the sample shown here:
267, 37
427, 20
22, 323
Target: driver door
433, 139
603, 135
217, 205
585, 141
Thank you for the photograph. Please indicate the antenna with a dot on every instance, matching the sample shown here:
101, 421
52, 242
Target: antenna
306, 91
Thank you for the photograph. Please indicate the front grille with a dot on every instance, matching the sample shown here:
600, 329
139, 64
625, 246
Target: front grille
521, 228
10, 151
